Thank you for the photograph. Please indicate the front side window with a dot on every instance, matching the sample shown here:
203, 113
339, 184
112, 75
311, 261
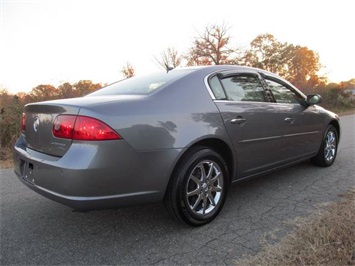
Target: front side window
244, 88
283, 94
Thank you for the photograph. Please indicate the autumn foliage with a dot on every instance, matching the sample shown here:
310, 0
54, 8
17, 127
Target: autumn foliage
297, 64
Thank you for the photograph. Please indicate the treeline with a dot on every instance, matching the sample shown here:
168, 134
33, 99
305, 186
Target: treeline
65, 90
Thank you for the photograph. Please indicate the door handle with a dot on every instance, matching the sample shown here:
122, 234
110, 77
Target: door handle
239, 120
290, 120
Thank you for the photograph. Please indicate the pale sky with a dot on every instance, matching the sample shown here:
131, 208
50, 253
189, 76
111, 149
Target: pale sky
55, 41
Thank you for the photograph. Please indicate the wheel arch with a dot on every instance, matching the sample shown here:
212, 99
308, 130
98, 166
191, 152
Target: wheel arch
223, 149
336, 124
219, 146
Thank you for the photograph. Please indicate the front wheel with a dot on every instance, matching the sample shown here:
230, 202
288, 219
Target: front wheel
328, 150
198, 187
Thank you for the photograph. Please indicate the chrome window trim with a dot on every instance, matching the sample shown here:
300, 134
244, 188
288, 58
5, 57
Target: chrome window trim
208, 85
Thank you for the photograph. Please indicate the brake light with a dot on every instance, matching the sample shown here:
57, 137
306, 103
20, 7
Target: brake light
23, 122
82, 128
87, 128
63, 126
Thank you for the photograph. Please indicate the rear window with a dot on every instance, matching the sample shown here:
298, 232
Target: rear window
142, 85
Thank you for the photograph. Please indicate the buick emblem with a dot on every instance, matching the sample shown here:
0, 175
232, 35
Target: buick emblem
36, 124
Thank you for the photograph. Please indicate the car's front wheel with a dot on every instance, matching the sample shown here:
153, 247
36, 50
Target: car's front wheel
329, 148
198, 187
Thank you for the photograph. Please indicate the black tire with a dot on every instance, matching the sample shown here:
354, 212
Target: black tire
328, 149
198, 188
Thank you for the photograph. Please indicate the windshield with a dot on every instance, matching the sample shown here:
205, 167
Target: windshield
142, 85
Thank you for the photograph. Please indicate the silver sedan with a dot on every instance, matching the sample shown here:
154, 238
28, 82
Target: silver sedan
180, 137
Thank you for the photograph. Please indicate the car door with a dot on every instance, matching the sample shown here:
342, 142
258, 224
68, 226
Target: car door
301, 128
249, 120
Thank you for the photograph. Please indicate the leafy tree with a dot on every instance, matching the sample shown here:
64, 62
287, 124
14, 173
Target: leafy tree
169, 59
267, 53
344, 85
24, 98
128, 70
83, 87
297, 64
66, 90
44, 92
303, 66
211, 47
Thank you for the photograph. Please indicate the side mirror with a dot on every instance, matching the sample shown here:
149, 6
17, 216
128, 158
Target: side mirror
314, 99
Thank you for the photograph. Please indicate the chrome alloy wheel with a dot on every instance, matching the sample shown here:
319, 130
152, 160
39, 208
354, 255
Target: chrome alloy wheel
204, 187
330, 146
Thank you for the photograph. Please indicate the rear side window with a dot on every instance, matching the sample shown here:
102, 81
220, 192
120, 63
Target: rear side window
244, 88
141, 85
217, 88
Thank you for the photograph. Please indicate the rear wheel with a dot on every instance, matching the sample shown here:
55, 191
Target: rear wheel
198, 187
328, 150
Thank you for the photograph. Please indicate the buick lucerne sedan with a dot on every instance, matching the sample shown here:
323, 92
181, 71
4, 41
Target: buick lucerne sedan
180, 137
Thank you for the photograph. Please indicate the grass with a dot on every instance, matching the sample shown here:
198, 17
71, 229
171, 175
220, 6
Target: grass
325, 238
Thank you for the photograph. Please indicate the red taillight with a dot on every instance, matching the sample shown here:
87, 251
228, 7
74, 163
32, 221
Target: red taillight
63, 126
82, 128
87, 128
23, 122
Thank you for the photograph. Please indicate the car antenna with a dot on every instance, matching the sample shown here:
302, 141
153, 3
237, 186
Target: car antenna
168, 69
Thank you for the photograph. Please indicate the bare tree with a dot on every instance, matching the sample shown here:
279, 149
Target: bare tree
211, 47
169, 59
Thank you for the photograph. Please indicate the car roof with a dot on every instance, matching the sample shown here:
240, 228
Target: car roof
214, 68
206, 70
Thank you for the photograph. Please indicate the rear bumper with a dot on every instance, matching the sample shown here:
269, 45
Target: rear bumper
96, 175
95, 203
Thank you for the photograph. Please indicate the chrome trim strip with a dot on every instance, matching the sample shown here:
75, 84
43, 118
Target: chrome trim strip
300, 134
208, 86
272, 103
235, 101
278, 137
260, 139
